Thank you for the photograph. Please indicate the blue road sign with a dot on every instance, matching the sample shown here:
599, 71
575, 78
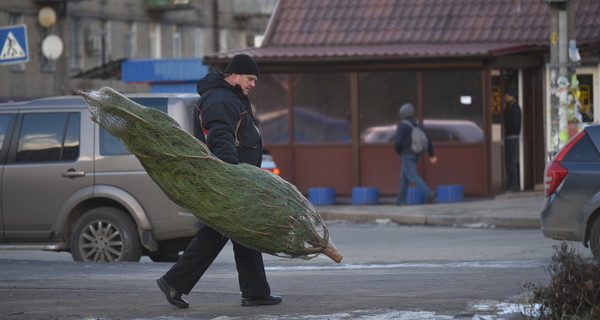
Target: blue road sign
13, 44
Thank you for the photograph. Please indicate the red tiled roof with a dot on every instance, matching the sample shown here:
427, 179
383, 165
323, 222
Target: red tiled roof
312, 29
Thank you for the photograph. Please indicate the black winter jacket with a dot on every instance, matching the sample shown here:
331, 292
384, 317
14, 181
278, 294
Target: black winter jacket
223, 119
512, 120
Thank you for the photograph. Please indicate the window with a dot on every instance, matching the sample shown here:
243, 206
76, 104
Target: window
453, 105
48, 137
71, 141
110, 145
224, 40
321, 107
75, 44
105, 43
198, 42
582, 151
5, 120
130, 40
154, 41
586, 97
270, 98
176, 42
380, 96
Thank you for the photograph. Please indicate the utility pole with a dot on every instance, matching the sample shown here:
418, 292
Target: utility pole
563, 106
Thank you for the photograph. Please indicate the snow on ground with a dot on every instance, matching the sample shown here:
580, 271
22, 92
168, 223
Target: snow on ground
481, 310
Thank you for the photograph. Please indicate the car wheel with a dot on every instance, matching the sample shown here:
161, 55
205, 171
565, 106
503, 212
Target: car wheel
595, 238
105, 234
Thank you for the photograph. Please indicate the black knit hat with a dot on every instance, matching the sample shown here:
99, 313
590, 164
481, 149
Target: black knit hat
242, 64
511, 92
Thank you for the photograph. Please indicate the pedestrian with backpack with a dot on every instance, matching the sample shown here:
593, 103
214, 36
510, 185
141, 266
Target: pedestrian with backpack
410, 142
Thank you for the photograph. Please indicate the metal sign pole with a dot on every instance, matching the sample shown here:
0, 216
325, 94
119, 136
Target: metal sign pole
562, 106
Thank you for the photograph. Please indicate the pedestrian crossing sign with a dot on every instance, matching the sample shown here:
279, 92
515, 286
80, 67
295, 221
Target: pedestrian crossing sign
13, 44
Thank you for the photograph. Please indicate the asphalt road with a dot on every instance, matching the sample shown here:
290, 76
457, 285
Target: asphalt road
386, 269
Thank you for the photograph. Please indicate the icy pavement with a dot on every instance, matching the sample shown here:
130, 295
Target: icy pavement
494, 310
481, 310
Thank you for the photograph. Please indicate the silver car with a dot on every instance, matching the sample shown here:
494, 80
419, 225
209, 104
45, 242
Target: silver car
571, 209
68, 185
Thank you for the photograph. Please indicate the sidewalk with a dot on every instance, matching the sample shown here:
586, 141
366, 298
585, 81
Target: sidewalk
512, 210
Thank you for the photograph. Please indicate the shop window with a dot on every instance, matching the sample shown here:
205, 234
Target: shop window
270, 106
321, 107
586, 97
453, 105
380, 96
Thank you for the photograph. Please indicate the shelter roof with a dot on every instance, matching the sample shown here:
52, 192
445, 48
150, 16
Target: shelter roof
354, 29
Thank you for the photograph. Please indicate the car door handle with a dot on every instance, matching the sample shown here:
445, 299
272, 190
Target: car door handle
71, 173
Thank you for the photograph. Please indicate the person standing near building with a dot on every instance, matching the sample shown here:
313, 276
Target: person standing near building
409, 158
512, 132
223, 118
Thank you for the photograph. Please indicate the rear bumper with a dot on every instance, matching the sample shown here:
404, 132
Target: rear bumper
560, 219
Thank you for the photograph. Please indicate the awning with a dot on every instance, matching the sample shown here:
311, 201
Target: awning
109, 70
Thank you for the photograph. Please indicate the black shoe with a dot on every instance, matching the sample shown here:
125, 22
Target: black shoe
259, 301
431, 198
173, 296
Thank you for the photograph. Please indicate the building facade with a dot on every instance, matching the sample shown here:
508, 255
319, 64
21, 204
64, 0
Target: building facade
98, 35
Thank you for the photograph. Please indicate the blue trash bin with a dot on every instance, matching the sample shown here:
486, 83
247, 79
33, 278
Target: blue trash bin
414, 196
365, 195
449, 193
321, 196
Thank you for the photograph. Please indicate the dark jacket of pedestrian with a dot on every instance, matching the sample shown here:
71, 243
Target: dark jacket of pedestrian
223, 109
223, 119
512, 120
403, 138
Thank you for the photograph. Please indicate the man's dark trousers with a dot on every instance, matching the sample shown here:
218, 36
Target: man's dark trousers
200, 254
512, 163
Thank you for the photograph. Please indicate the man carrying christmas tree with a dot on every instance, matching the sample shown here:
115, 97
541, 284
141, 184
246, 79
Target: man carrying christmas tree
223, 119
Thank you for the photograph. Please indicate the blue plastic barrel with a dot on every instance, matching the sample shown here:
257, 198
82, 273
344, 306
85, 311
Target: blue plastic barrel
365, 195
321, 196
415, 196
449, 193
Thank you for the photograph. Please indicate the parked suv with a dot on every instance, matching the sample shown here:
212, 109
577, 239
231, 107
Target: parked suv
68, 185
571, 209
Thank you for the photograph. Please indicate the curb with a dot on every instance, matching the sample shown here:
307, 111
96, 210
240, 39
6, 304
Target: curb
433, 220
513, 211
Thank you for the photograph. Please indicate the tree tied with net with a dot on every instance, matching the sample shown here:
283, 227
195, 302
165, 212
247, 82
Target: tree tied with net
244, 203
